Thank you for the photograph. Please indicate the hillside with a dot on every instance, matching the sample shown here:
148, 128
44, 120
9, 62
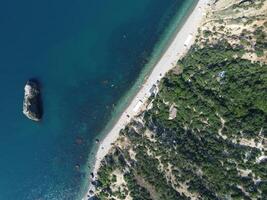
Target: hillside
204, 134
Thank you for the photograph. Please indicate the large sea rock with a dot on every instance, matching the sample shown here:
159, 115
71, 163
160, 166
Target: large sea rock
32, 106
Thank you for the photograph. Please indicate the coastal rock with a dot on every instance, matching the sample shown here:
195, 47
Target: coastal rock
96, 183
77, 167
93, 198
79, 141
32, 107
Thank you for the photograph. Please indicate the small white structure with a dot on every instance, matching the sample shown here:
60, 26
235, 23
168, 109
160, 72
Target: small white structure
261, 158
137, 106
172, 112
188, 40
221, 74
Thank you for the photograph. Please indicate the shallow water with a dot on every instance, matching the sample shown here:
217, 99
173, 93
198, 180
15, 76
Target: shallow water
86, 54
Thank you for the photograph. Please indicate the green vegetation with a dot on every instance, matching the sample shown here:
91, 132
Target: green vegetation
218, 95
246, 4
215, 148
215, 85
207, 33
261, 41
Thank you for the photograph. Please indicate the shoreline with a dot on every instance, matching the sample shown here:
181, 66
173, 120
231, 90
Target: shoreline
176, 49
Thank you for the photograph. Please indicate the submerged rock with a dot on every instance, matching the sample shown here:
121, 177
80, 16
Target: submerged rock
77, 167
79, 141
32, 107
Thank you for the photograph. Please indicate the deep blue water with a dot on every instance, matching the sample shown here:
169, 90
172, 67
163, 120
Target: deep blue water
86, 54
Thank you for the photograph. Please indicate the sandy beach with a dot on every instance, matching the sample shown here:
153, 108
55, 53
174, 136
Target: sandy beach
177, 48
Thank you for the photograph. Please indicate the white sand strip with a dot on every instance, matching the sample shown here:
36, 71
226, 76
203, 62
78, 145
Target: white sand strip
175, 51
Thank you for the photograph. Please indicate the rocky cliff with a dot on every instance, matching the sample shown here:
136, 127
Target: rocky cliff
32, 107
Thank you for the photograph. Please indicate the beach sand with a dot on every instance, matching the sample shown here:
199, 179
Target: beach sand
177, 48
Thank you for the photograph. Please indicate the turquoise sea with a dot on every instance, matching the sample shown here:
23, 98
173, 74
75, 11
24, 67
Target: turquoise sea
86, 54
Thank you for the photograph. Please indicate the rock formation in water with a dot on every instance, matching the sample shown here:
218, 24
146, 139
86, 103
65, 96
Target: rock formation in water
32, 106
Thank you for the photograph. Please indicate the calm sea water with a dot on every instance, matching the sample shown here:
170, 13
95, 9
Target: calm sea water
86, 54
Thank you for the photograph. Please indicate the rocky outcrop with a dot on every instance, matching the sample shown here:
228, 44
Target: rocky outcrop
32, 107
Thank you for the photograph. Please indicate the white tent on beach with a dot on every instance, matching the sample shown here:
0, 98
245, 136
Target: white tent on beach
137, 106
188, 40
